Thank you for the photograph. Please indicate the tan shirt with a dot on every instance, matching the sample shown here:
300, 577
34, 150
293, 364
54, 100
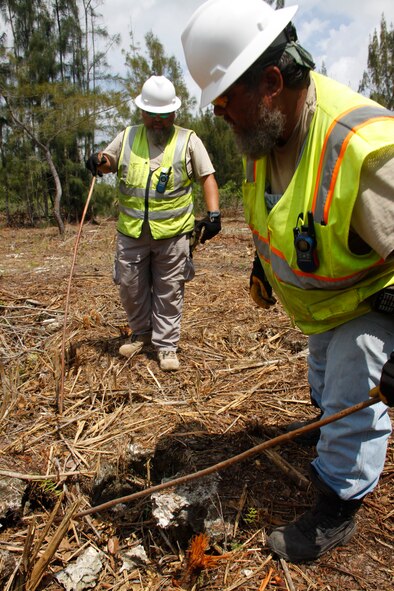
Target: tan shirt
373, 214
198, 162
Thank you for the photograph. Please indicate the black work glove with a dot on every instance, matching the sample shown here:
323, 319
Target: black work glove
209, 226
386, 386
93, 162
259, 288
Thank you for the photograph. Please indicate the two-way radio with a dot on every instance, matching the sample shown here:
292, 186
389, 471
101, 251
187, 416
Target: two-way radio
305, 244
163, 179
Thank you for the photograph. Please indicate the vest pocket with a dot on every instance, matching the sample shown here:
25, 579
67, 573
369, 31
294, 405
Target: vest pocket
336, 304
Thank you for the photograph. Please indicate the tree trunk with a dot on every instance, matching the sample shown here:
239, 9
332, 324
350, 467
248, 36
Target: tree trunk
52, 167
58, 192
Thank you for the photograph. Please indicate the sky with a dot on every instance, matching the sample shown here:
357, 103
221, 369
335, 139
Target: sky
336, 32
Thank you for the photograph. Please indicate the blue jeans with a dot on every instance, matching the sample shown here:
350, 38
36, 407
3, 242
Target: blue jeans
344, 364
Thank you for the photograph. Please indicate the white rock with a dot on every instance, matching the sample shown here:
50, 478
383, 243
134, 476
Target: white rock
83, 573
133, 557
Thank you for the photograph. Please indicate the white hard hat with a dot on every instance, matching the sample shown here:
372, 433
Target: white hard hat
158, 96
224, 37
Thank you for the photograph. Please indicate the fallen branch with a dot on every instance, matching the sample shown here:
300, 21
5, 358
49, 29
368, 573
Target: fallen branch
234, 459
290, 471
287, 574
38, 477
41, 564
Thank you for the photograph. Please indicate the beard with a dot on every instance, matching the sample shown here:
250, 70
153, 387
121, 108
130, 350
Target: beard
160, 136
264, 136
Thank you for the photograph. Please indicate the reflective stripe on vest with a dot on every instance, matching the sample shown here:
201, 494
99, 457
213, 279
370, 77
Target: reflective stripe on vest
156, 215
298, 278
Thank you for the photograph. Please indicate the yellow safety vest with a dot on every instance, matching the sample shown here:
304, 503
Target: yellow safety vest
346, 128
168, 213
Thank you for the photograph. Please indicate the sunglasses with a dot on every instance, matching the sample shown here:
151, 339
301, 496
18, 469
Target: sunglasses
161, 115
221, 101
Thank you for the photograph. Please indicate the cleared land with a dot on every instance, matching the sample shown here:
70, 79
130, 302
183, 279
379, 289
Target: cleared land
242, 379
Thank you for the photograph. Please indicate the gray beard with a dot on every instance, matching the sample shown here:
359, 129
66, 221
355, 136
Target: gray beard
265, 135
160, 136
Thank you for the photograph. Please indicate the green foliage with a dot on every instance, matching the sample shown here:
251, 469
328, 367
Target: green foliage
51, 107
50, 488
51, 79
251, 516
236, 546
199, 203
49, 84
105, 200
377, 80
323, 69
231, 197
218, 139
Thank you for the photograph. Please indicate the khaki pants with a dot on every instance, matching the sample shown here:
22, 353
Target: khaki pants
151, 275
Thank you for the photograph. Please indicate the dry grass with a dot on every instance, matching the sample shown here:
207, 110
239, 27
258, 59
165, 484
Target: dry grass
242, 379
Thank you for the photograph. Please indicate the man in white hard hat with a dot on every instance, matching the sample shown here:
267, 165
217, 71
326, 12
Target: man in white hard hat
156, 163
319, 199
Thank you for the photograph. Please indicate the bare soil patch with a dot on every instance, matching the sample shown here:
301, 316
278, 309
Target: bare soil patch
242, 380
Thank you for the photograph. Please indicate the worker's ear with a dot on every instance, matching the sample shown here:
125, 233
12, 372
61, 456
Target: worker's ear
271, 83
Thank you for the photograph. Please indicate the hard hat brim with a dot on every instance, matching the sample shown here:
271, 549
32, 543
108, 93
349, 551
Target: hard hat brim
168, 108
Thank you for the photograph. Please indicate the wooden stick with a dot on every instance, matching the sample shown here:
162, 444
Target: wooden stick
290, 471
238, 458
43, 561
60, 390
266, 580
41, 539
37, 477
286, 572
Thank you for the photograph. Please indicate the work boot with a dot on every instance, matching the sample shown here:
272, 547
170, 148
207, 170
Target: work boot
168, 360
328, 524
310, 438
135, 344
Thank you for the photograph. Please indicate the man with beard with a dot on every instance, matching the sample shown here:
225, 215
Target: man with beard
157, 163
319, 199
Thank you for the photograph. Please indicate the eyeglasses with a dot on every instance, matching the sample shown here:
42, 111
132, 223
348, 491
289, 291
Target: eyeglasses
161, 115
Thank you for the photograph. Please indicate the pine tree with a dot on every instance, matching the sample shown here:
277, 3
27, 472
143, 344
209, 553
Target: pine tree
49, 80
377, 80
